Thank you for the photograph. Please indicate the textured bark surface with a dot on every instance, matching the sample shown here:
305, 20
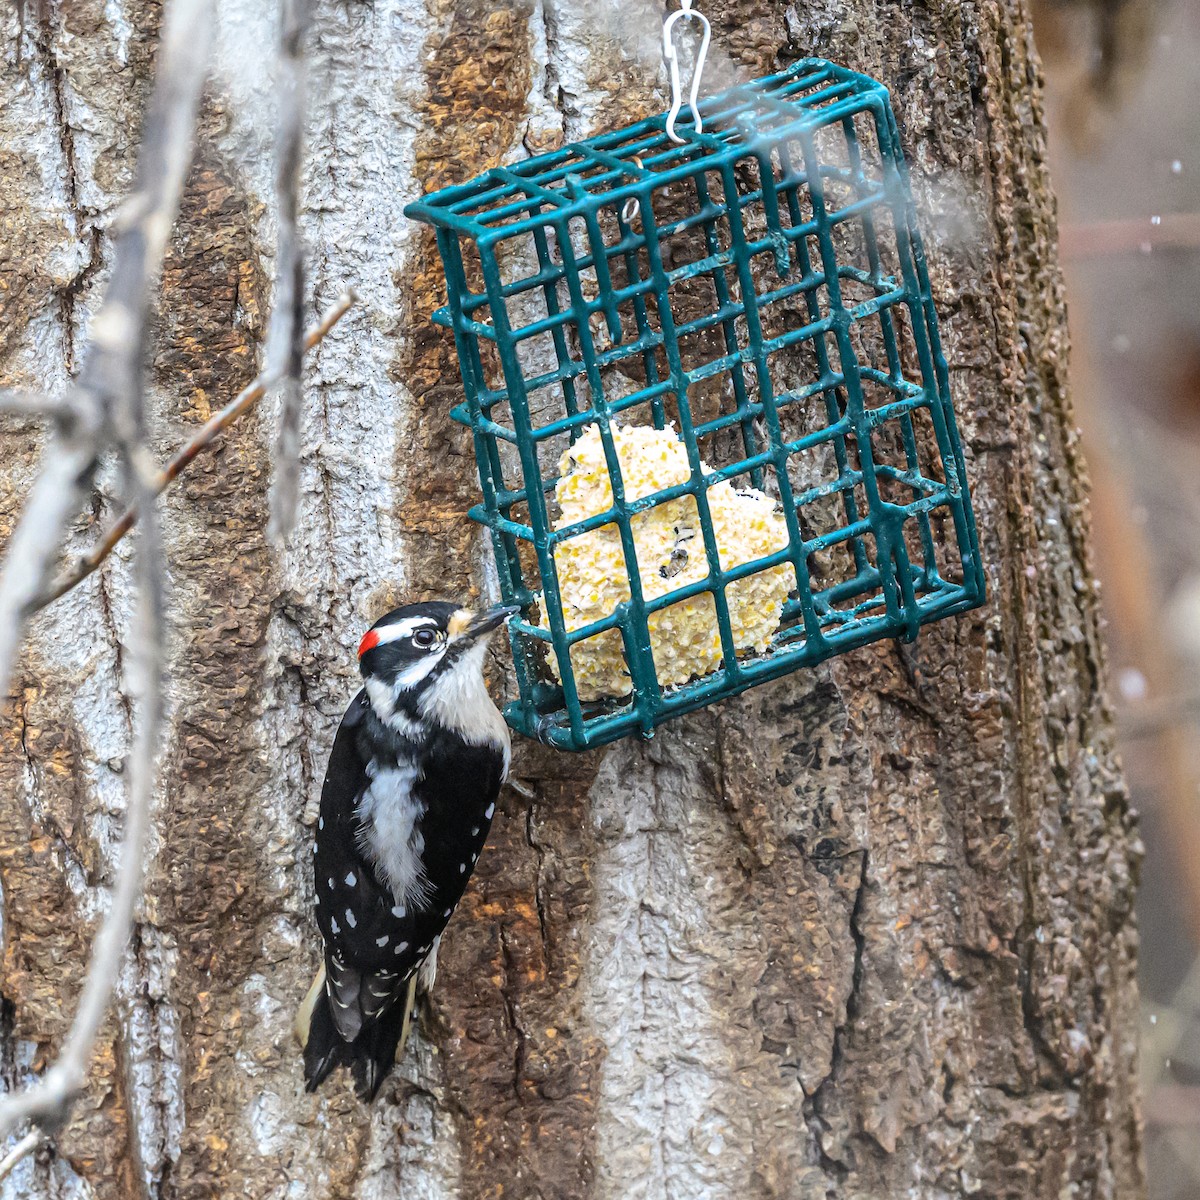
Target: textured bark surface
864, 932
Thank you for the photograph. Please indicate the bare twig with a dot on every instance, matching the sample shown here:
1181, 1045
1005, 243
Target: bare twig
35, 404
110, 403
26, 1146
114, 352
114, 365
201, 440
286, 340
48, 1102
105, 408
67, 467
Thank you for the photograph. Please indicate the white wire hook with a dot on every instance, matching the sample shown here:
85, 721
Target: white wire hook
672, 57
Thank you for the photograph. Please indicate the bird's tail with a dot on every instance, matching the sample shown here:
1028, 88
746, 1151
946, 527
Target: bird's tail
380, 1044
370, 1056
323, 1046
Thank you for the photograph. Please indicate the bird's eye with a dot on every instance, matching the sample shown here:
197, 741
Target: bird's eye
425, 638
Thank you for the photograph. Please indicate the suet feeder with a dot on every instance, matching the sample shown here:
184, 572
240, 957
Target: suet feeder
753, 281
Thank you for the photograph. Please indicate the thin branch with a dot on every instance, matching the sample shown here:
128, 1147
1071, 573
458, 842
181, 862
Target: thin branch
26, 1146
35, 404
110, 393
201, 440
114, 363
114, 352
286, 339
56, 495
48, 1102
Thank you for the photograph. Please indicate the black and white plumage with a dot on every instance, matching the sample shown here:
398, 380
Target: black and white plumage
407, 803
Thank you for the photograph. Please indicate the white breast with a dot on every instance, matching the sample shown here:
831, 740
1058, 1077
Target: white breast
388, 812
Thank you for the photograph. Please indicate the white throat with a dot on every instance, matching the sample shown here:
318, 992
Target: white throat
458, 700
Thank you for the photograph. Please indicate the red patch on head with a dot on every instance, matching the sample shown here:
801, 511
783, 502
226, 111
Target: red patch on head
369, 642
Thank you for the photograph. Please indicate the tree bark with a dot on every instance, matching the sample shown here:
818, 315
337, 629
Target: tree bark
863, 932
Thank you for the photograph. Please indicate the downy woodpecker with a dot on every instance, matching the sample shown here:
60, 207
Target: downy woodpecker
406, 806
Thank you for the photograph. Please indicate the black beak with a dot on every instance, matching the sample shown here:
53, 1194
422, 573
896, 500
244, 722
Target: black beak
483, 624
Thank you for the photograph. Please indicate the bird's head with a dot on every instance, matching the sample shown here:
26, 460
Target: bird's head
426, 655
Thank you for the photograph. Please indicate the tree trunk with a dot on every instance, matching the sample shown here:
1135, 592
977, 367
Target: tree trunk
864, 932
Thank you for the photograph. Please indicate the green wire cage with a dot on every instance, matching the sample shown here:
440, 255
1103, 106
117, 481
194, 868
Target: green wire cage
760, 287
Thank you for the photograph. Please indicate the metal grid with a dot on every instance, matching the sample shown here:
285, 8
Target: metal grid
763, 287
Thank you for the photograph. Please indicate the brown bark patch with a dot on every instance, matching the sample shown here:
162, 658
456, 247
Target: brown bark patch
477, 78
518, 1057
503, 1000
214, 897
